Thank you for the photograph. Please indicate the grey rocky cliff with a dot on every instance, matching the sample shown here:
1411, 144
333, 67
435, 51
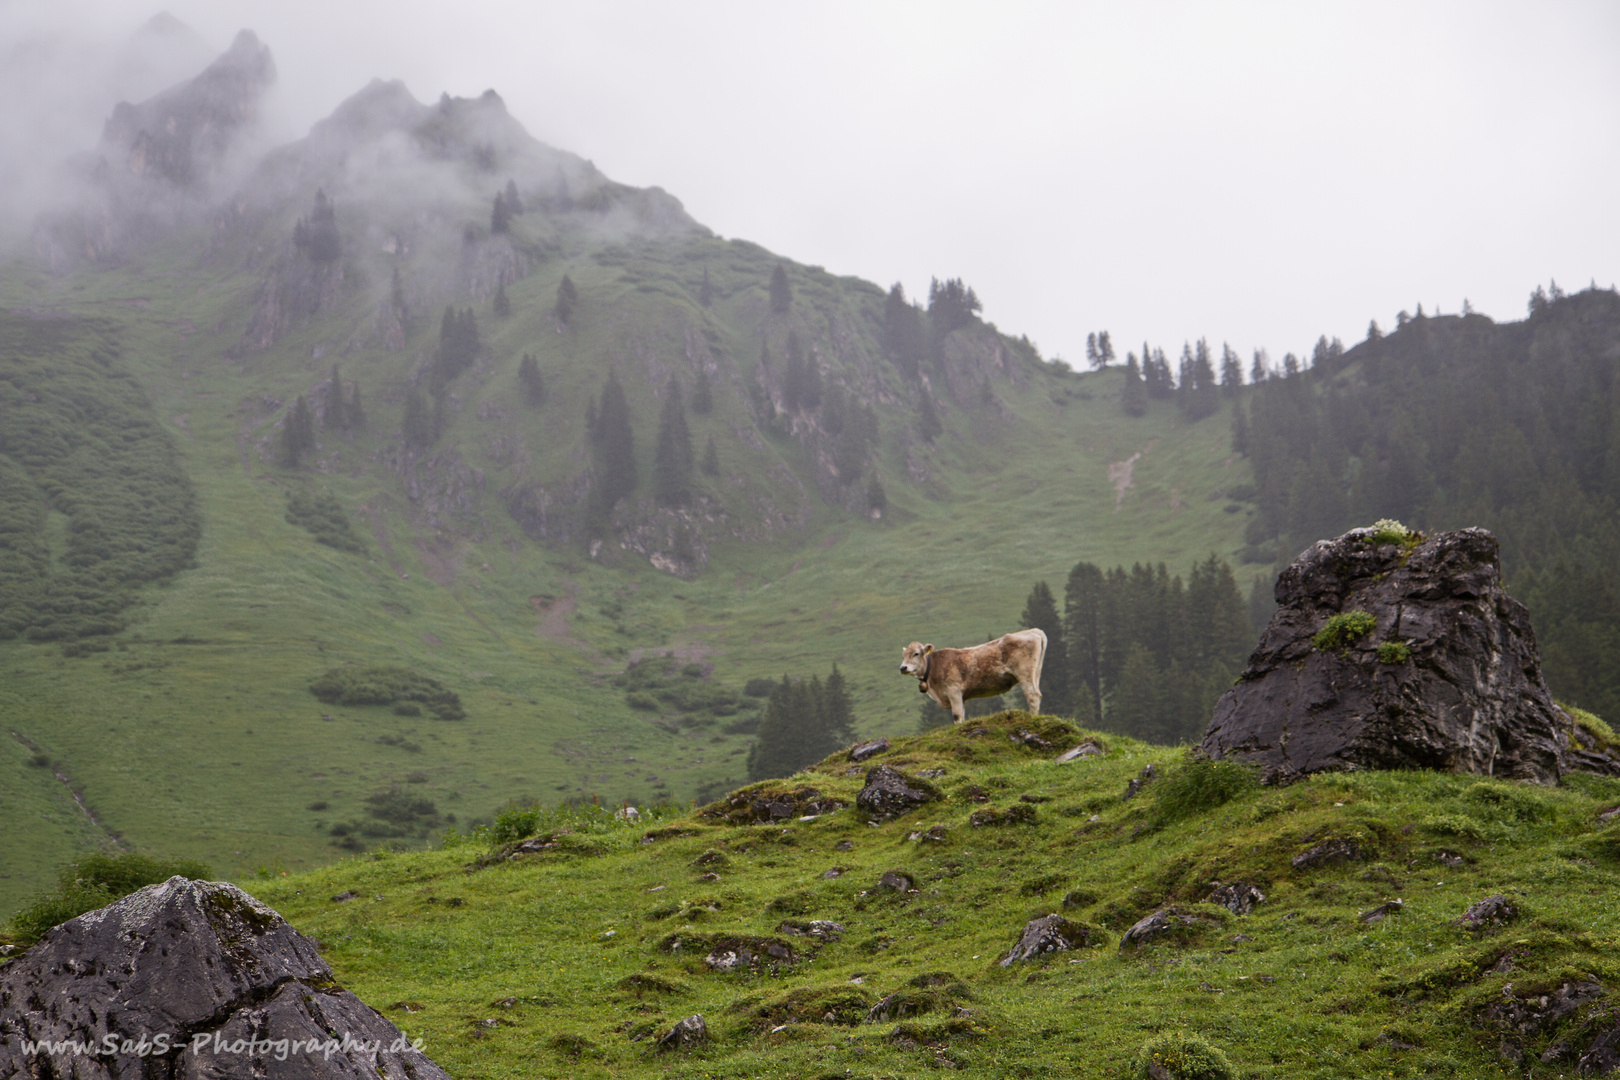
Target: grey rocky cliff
1458, 686
222, 977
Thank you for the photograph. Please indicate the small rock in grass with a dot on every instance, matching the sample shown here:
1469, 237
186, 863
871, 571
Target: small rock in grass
1141, 780
344, 897
820, 929
1084, 750
1494, 910
1388, 907
888, 794
1238, 897
1048, 934
1161, 922
894, 881
862, 751
688, 1033
1326, 853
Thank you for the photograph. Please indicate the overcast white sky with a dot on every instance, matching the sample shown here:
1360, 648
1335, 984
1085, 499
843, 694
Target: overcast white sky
1253, 173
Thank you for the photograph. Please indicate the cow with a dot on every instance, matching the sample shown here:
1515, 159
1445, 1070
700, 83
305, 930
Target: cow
950, 676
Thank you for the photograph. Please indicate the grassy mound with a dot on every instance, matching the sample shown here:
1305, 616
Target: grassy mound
816, 942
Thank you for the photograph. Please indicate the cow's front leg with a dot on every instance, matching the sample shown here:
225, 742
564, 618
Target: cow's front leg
957, 712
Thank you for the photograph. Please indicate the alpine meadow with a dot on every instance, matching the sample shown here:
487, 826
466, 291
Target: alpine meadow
413, 512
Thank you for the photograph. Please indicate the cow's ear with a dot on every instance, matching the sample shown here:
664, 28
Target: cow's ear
927, 649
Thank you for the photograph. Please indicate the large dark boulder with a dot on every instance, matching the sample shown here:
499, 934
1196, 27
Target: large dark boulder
233, 990
1445, 675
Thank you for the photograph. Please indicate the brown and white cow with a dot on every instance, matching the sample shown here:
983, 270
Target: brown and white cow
950, 676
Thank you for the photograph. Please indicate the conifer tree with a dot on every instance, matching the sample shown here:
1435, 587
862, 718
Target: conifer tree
1134, 706
803, 723
514, 202
534, 383
705, 291
396, 296
561, 197
1196, 391
1262, 603
355, 413
502, 306
1231, 370
613, 446
1040, 611
801, 381
837, 712
317, 235
672, 465
1258, 373
419, 429
567, 299
1240, 429
336, 418
1093, 357
711, 459
903, 336
1083, 628
928, 424
1105, 348
500, 217
1133, 398
877, 500
781, 294
298, 434
1373, 333
951, 306
459, 346
702, 395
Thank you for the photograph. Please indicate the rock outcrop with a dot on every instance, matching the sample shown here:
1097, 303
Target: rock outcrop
230, 988
890, 793
1429, 665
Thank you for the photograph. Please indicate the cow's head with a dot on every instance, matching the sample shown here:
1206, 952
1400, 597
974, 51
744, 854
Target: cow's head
914, 659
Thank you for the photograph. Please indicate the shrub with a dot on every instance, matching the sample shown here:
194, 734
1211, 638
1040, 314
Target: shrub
1200, 784
1393, 652
759, 687
400, 813
1390, 531
385, 686
1344, 628
1511, 802
96, 881
1183, 1056
1453, 825
324, 518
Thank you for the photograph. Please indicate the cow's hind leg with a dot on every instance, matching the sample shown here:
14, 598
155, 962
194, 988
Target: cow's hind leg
1032, 695
957, 712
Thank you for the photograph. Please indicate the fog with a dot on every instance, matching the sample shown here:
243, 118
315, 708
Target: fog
1256, 174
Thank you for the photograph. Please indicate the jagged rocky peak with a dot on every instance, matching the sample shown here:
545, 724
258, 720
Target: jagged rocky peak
222, 977
181, 134
1390, 650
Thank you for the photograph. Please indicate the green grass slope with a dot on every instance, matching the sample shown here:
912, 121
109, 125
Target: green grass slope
572, 958
195, 734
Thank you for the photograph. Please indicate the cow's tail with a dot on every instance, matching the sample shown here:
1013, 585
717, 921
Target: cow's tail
1040, 655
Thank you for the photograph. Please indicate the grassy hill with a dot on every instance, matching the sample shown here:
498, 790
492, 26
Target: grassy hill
573, 958
193, 731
